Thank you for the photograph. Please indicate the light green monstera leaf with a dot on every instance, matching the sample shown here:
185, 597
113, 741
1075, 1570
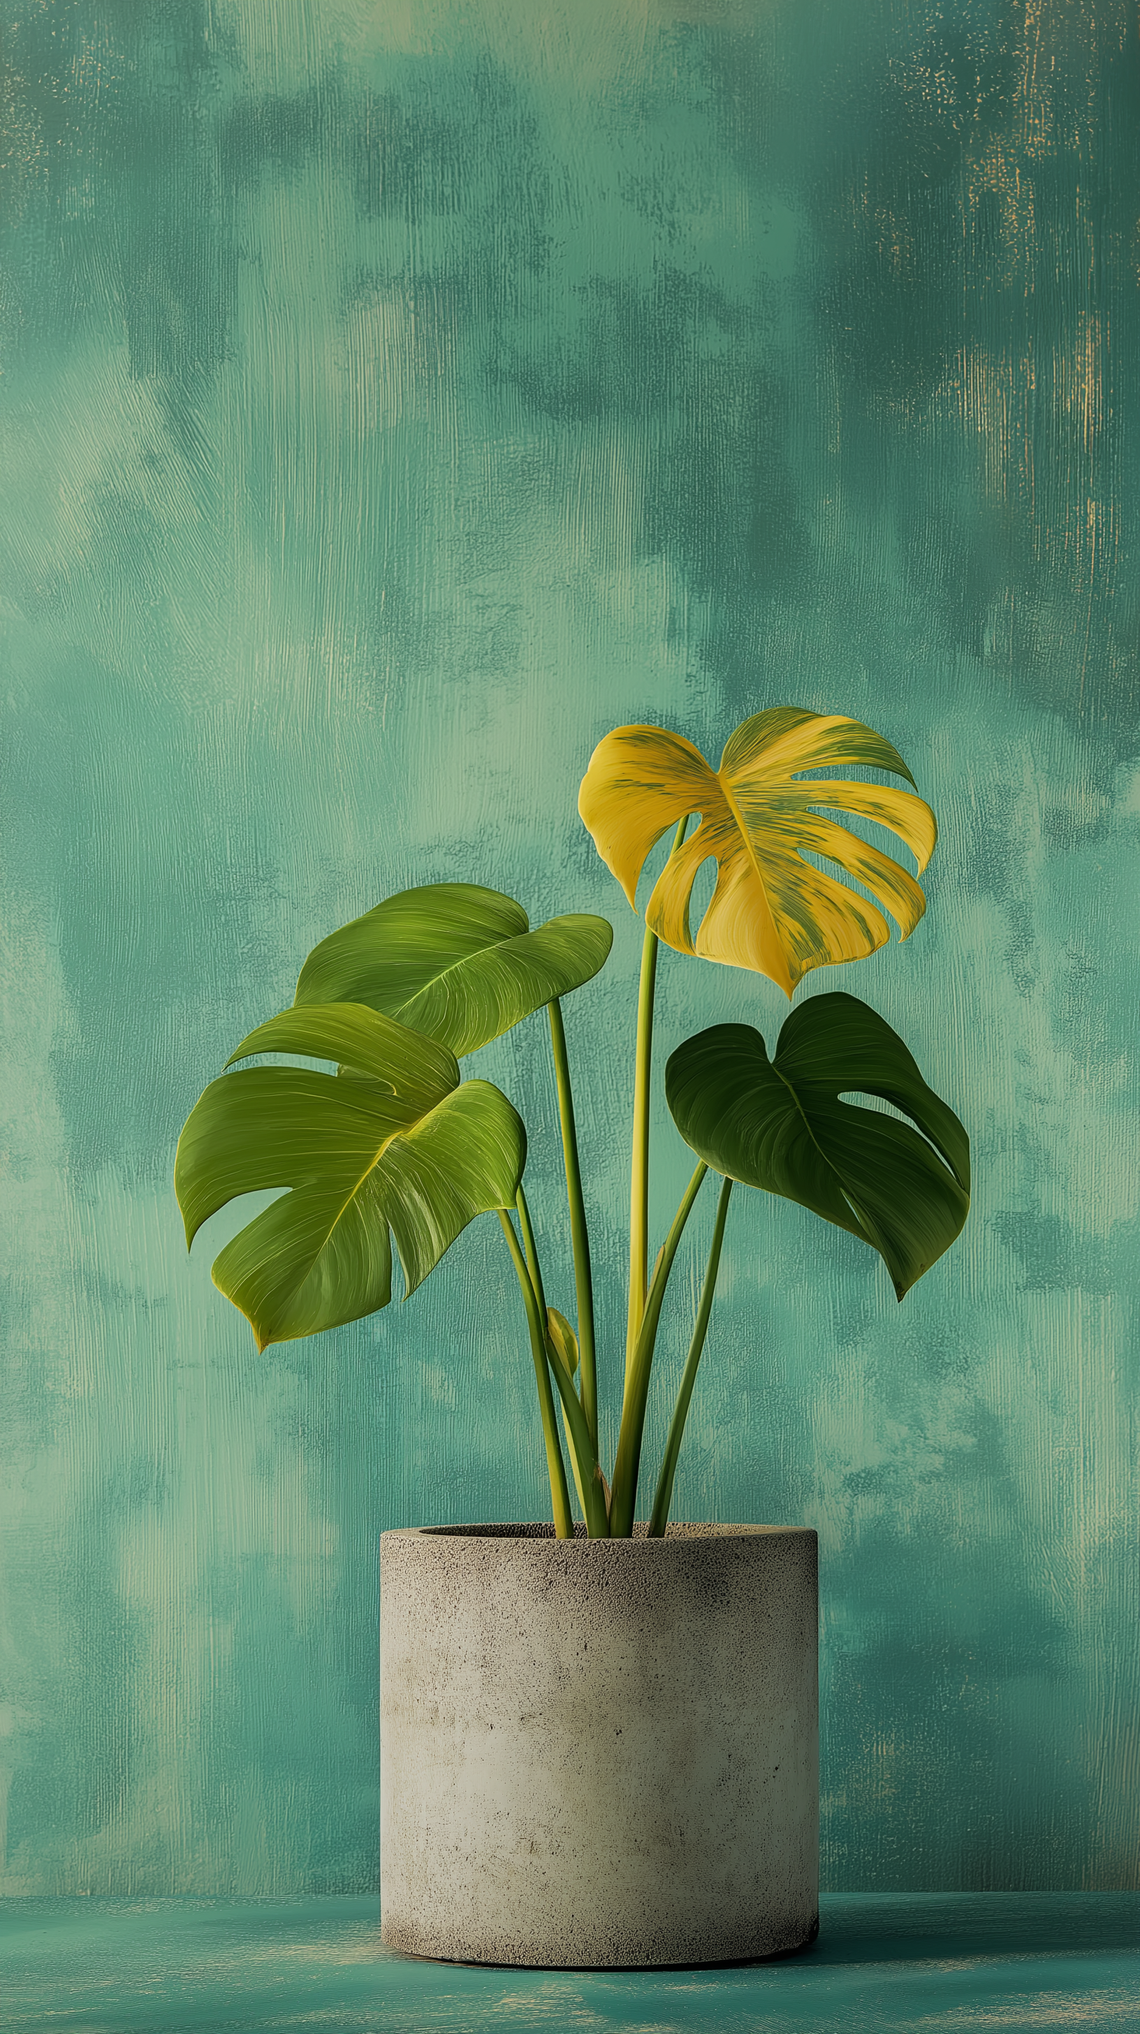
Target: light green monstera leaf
393, 1142
782, 1124
455, 961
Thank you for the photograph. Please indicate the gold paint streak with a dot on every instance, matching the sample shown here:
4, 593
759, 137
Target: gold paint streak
1016, 399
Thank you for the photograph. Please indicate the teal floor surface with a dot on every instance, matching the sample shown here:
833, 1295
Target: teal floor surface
953, 1962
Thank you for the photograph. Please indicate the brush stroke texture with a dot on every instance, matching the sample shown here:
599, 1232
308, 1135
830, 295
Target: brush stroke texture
394, 399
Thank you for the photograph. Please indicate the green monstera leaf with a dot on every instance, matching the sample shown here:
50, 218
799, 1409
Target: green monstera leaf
455, 961
395, 1141
782, 1124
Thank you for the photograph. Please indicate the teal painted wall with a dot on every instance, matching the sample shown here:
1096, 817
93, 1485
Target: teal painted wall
395, 397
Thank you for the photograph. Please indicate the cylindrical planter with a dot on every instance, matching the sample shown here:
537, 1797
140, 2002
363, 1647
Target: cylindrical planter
598, 1754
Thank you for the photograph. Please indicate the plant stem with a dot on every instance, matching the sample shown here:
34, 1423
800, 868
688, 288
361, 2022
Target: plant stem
579, 1234
587, 1474
531, 1249
659, 1516
556, 1467
639, 1167
623, 1498
587, 1471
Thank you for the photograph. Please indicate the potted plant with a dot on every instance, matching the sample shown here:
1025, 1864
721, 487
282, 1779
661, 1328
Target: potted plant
598, 1741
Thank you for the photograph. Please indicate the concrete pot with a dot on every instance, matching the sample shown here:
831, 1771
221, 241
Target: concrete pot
598, 1754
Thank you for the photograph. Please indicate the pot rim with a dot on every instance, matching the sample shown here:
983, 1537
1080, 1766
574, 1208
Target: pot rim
540, 1532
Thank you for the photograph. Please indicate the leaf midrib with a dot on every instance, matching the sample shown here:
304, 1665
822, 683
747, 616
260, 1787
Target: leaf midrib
476, 953
829, 1162
350, 1197
748, 849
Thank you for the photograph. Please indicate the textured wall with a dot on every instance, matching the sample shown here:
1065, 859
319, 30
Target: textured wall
396, 396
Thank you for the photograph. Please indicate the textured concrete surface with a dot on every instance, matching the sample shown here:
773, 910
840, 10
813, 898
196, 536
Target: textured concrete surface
598, 1754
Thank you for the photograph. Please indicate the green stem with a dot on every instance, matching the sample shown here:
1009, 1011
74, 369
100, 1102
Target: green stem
587, 1474
559, 1489
660, 1514
639, 1167
579, 1234
574, 1435
623, 1499
531, 1249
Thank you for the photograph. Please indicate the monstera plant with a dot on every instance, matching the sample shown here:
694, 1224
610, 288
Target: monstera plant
397, 1143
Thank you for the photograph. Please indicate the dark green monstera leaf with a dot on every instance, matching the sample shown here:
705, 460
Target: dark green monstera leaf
455, 961
393, 1142
781, 1124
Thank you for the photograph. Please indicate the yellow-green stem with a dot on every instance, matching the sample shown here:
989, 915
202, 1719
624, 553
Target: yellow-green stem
659, 1517
623, 1498
579, 1235
532, 1264
588, 1475
531, 1249
639, 1166
583, 1453
556, 1467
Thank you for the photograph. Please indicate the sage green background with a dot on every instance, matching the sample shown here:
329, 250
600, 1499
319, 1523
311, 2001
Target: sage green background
396, 395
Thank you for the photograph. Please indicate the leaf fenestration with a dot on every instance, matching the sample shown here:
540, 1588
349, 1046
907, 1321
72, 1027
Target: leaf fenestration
395, 1143
779, 1124
771, 910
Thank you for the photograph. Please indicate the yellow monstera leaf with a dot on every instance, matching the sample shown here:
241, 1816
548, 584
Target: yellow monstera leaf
771, 910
